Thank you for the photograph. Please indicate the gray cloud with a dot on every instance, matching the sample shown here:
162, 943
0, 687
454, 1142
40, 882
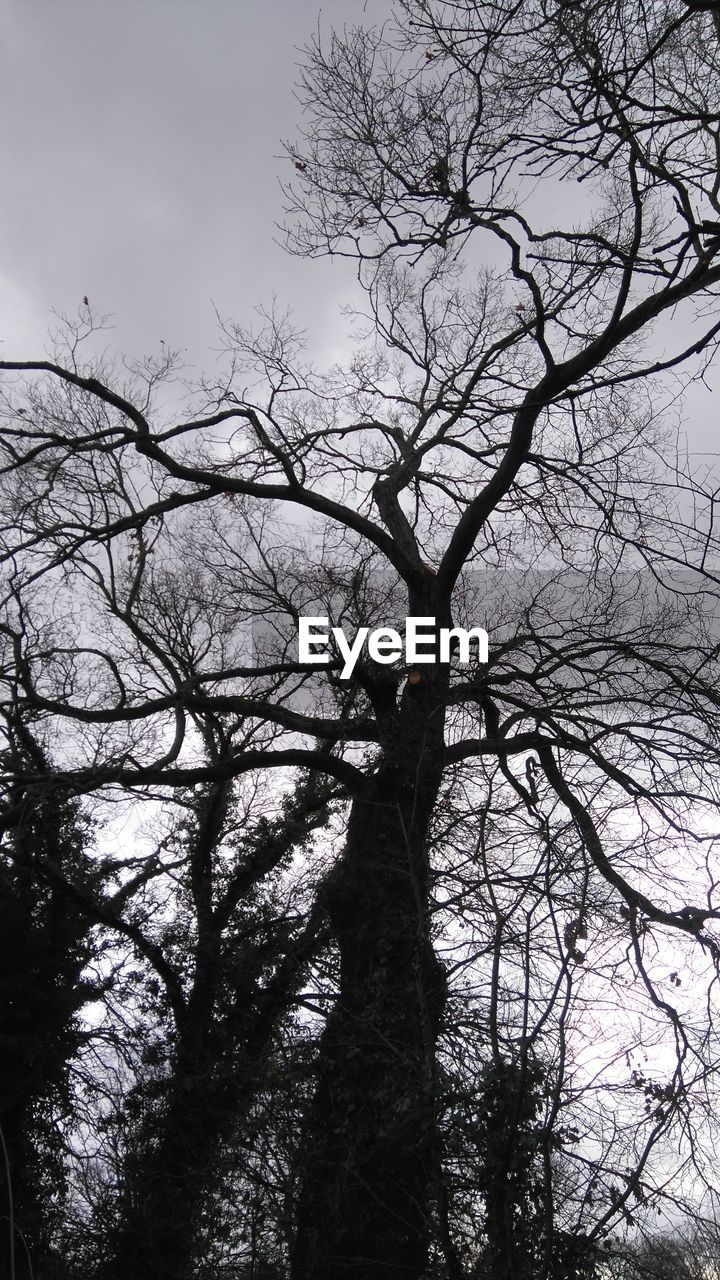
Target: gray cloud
141, 161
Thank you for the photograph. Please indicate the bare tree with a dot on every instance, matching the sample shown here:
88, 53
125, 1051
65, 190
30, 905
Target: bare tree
221, 948
502, 411
236, 969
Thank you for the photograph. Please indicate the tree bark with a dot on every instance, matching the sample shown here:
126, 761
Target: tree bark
363, 1209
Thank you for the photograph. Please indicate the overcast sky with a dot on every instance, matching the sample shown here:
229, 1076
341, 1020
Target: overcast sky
141, 166
141, 160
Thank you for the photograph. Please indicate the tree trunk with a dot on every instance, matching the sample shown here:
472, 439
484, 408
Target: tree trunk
165, 1181
363, 1208
219, 1068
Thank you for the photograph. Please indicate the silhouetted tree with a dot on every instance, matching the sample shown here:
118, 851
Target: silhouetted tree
498, 415
44, 947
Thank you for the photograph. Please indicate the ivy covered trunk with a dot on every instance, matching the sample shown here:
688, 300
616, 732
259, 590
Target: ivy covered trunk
369, 1151
165, 1177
